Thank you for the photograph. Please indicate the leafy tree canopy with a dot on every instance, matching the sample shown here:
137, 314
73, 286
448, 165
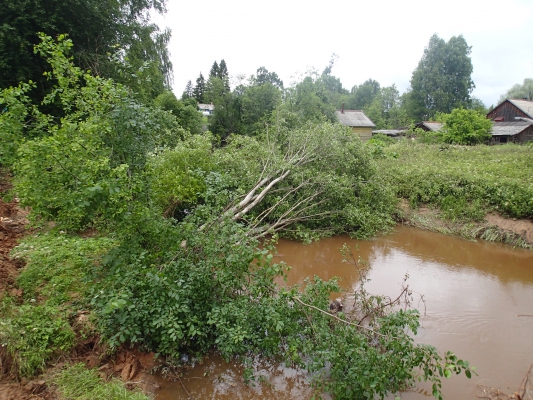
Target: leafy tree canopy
97, 29
442, 81
523, 91
464, 126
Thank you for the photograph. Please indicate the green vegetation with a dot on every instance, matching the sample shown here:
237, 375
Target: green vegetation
463, 126
58, 266
442, 81
464, 182
183, 269
54, 283
78, 383
32, 335
523, 91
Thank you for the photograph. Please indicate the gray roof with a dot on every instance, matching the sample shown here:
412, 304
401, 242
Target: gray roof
524, 105
355, 118
432, 125
509, 128
209, 107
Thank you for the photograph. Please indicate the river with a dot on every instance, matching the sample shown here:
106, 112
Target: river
474, 295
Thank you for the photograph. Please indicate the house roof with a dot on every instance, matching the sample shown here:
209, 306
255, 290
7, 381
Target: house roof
509, 128
431, 125
355, 118
209, 107
525, 106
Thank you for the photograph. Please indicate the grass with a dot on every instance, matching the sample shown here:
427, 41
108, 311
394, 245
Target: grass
79, 383
58, 266
465, 182
37, 330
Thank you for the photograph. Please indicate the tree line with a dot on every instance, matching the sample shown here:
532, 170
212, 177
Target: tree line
441, 83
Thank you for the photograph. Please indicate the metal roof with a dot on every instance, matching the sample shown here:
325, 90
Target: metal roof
524, 105
355, 118
509, 128
432, 125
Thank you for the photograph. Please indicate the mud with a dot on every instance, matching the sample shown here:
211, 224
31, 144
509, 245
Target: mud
512, 230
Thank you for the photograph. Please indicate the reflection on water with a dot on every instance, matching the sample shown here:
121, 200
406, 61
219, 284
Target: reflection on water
473, 293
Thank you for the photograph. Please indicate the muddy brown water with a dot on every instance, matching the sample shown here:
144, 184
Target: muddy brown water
473, 292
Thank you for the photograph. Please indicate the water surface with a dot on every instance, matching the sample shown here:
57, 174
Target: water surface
473, 292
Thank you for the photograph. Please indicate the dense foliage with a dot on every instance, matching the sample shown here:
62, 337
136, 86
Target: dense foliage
184, 271
463, 126
442, 81
465, 182
519, 91
97, 28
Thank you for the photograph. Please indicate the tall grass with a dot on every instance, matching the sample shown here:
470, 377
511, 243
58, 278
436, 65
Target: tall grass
79, 383
465, 182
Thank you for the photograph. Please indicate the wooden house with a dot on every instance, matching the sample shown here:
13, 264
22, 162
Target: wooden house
513, 121
511, 109
512, 132
357, 120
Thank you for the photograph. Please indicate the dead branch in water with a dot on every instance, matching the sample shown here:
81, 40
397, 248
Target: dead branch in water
524, 392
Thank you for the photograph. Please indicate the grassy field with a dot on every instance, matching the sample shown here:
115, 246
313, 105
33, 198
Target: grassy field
465, 182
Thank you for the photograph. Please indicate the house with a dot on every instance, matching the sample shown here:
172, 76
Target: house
206, 109
512, 131
357, 120
510, 109
428, 126
513, 121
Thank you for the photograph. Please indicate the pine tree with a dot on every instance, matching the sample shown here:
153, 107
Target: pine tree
199, 89
188, 92
223, 70
215, 70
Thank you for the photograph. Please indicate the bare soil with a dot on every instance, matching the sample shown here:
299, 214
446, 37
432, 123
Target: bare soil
430, 219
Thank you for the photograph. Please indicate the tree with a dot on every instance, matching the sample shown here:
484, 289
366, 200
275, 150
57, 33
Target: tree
86, 166
200, 89
309, 100
215, 71
226, 118
464, 126
185, 111
188, 92
523, 91
258, 103
386, 109
263, 76
363, 94
223, 70
442, 81
97, 29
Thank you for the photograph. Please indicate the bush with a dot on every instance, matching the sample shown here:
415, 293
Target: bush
463, 126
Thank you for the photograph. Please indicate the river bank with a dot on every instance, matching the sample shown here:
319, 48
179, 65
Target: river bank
493, 228
132, 366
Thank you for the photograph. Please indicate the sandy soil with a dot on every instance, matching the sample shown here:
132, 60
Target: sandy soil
522, 227
519, 227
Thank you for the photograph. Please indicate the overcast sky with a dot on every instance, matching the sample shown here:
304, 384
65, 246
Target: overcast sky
379, 39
